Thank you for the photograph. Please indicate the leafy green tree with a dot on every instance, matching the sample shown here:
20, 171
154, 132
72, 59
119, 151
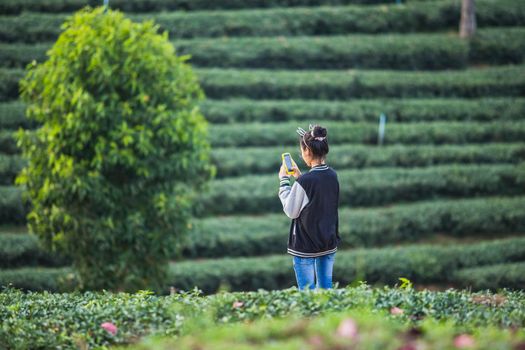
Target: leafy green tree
120, 153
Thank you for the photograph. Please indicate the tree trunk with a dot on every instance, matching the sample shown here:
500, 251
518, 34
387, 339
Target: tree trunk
467, 27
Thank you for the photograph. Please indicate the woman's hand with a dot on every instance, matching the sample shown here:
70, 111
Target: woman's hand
296, 172
282, 171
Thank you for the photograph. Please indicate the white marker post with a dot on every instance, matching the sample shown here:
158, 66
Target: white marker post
381, 131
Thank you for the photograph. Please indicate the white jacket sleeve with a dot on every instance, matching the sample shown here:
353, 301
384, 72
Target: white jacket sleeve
293, 198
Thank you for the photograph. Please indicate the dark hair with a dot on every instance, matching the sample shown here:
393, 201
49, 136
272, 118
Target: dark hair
319, 147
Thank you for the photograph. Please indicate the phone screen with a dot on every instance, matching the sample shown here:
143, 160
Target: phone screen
288, 162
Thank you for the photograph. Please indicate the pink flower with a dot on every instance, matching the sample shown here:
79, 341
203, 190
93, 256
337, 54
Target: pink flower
110, 327
316, 341
237, 304
463, 341
347, 329
396, 311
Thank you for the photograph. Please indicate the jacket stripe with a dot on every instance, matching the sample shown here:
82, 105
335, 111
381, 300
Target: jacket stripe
324, 167
311, 255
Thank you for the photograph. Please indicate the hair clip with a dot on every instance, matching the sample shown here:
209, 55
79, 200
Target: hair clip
301, 131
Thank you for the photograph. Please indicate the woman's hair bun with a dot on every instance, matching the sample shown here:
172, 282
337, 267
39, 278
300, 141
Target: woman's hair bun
319, 131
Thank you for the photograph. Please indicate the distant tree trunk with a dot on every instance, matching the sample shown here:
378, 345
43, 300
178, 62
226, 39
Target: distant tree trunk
467, 27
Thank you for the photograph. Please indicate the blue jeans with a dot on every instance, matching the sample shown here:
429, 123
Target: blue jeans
312, 272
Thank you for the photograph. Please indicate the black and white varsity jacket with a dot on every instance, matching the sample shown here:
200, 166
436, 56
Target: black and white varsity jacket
312, 204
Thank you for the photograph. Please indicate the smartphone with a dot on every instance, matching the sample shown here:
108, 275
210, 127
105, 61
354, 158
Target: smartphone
288, 163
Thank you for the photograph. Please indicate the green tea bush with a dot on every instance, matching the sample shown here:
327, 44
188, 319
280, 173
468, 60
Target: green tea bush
371, 187
73, 320
121, 149
327, 20
9, 83
362, 187
272, 134
262, 160
401, 51
12, 209
263, 111
488, 43
362, 328
503, 81
405, 51
371, 227
266, 134
18, 249
511, 275
40, 279
336, 20
19, 55
8, 142
406, 110
34, 27
423, 264
343, 85
10, 166
231, 236
12, 6
12, 116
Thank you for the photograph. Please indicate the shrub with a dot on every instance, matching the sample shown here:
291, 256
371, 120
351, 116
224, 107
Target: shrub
12, 116
511, 275
259, 134
371, 227
231, 162
401, 51
504, 81
7, 142
12, 6
12, 208
406, 110
405, 51
488, 43
121, 149
368, 227
9, 83
330, 20
79, 317
34, 27
343, 85
17, 249
422, 264
371, 187
10, 166
30, 319
263, 111
360, 328
360, 187
263, 160
40, 279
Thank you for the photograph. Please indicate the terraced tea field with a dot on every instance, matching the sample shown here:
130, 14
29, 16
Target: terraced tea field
441, 202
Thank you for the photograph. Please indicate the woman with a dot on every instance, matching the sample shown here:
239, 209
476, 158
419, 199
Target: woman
312, 204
